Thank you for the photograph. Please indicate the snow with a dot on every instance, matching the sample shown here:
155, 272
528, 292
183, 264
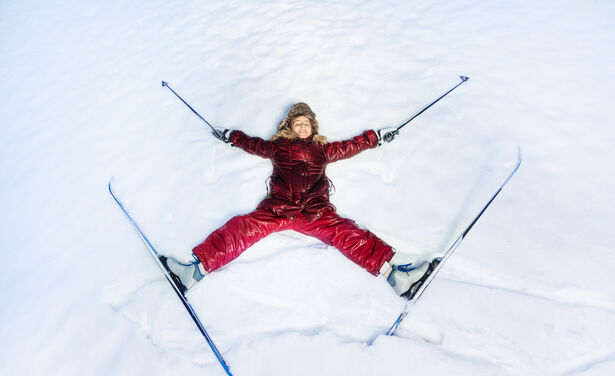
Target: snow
529, 291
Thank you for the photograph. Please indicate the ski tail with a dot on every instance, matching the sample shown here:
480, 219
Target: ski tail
400, 318
176, 288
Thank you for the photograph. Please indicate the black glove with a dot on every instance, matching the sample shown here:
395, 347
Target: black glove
222, 134
386, 135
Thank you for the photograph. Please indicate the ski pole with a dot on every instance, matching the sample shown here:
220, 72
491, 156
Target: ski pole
463, 79
166, 84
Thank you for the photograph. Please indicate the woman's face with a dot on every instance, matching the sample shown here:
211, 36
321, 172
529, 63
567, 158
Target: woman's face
302, 126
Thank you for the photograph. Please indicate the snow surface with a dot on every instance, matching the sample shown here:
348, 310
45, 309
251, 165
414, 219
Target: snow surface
529, 292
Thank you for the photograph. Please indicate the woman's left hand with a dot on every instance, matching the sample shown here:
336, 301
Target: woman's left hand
386, 135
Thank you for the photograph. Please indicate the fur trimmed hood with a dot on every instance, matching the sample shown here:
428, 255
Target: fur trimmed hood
299, 109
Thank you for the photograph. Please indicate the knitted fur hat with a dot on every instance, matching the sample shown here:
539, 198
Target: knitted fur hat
299, 109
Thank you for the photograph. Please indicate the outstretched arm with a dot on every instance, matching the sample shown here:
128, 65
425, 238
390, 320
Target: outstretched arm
337, 150
253, 145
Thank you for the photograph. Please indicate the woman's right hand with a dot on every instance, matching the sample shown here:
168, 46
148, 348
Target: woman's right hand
221, 134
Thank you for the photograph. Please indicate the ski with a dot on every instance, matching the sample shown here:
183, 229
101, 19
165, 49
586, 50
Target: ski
178, 291
437, 263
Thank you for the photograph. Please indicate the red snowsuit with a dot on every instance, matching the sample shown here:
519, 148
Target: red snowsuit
298, 200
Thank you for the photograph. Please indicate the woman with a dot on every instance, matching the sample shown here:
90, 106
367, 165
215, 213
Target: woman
298, 199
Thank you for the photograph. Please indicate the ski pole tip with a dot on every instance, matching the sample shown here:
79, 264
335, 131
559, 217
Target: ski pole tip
464, 78
165, 84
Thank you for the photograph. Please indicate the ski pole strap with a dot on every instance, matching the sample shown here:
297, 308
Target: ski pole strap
166, 84
463, 80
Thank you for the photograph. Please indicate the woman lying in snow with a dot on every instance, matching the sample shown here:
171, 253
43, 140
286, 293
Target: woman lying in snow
298, 199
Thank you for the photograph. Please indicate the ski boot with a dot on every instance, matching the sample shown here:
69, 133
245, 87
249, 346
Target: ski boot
184, 274
414, 288
406, 277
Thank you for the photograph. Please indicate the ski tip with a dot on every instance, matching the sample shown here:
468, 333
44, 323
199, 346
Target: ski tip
519, 154
519, 158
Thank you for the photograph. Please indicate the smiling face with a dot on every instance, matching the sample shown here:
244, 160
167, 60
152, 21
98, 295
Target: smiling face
302, 126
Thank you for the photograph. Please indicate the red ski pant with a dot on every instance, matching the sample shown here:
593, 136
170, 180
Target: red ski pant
229, 241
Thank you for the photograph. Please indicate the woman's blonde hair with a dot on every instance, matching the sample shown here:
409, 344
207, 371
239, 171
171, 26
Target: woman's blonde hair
285, 130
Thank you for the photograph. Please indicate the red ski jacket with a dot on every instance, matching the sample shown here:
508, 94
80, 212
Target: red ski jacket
298, 183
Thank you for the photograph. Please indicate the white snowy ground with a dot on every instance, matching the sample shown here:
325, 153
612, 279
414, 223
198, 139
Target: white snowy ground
529, 292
